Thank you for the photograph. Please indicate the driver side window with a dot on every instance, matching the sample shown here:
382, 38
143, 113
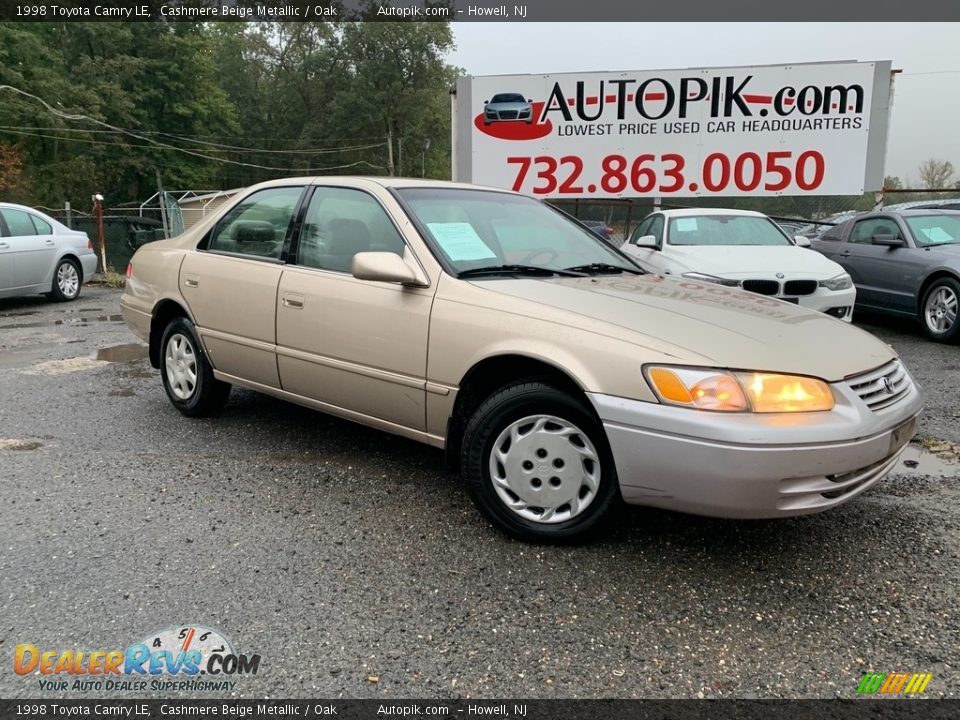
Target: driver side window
864, 230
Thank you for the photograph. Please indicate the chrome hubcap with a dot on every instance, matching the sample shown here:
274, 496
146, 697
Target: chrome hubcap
941, 310
545, 469
180, 362
68, 280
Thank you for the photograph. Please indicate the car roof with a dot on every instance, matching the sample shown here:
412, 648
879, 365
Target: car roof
915, 212
920, 204
382, 181
691, 212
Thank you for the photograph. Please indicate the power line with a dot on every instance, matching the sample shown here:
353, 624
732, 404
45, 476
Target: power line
166, 146
25, 130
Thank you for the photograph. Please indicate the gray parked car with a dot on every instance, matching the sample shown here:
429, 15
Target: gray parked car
903, 263
507, 106
40, 255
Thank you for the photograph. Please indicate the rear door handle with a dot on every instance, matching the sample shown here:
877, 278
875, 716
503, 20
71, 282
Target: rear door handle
293, 301
51, 242
846, 253
4, 246
191, 281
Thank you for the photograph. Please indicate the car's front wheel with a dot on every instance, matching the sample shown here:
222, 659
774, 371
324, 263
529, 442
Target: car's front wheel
66, 281
187, 374
939, 310
538, 465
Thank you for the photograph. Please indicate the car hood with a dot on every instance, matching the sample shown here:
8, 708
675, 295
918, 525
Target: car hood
748, 261
703, 323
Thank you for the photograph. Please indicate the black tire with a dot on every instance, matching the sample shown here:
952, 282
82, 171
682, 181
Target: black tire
206, 395
494, 416
935, 314
67, 281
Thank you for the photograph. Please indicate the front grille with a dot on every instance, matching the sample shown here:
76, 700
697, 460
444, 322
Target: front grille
761, 287
508, 114
881, 387
800, 287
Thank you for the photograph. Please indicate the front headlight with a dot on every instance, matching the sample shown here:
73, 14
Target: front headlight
703, 277
840, 282
711, 389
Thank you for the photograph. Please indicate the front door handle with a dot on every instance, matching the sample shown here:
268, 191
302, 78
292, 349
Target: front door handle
4, 246
292, 301
845, 253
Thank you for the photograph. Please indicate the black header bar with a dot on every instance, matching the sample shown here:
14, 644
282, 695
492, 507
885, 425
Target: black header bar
479, 11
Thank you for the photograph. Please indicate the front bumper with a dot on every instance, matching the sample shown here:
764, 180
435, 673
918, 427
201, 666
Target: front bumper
742, 465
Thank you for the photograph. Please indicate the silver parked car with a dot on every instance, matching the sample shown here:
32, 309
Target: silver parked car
507, 106
903, 263
40, 255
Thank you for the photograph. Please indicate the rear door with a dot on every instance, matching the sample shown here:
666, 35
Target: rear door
357, 345
32, 247
230, 283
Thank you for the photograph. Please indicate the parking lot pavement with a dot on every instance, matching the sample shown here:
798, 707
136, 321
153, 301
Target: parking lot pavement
355, 567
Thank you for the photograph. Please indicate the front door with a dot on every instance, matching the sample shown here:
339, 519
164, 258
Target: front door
353, 344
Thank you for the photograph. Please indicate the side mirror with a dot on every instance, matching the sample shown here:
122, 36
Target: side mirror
645, 241
383, 267
890, 241
486, 102
801, 241
529, 100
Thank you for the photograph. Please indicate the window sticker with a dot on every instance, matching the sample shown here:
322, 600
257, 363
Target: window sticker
686, 224
460, 241
937, 234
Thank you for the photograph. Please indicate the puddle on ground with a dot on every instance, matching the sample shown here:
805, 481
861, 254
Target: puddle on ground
69, 321
122, 392
128, 352
91, 310
23, 313
917, 460
14, 444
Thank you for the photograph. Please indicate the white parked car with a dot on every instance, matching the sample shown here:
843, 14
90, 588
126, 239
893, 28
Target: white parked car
740, 248
40, 255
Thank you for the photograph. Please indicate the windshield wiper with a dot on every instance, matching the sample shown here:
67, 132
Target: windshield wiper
599, 268
517, 270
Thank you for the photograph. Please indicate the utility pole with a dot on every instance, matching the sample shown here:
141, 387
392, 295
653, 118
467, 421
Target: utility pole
101, 240
423, 158
163, 206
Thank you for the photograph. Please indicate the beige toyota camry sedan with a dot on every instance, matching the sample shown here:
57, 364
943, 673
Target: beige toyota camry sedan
558, 376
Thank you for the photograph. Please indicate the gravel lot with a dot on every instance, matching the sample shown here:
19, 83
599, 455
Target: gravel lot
355, 567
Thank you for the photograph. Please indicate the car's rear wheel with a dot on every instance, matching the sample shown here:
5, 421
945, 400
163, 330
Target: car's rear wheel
66, 281
538, 465
938, 312
187, 374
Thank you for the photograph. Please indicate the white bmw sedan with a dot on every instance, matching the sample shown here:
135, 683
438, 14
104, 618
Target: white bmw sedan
740, 248
40, 255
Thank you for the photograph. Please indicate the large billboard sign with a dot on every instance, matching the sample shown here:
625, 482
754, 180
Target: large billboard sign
768, 130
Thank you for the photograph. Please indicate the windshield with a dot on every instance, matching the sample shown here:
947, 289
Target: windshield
935, 229
725, 230
479, 228
507, 98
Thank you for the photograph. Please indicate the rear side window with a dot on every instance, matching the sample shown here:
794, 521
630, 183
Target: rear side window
258, 225
18, 222
41, 225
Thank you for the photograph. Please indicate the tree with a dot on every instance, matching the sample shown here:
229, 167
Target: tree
892, 182
935, 174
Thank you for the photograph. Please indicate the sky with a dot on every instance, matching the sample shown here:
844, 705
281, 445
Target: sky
925, 121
